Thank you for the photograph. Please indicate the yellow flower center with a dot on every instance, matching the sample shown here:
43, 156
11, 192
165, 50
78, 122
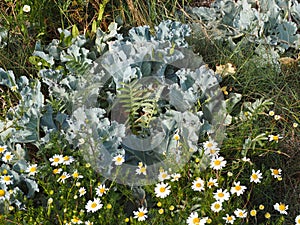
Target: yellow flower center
275, 172
32, 169
281, 207
275, 138
94, 205
102, 190
8, 157
6, 178
2, 149
212, 151
217, 162
229, 218
210, 183
221, 195
198, 185
55, 171
63, 177
238, 188
217, 206
254, 176
176, 137
162, 189
119, 159
298, 221
75, 175
141, 214
196, 220
56, 160
2, 193
75, 220
209, 145
241, 214
143, 169
66, 158
164, 175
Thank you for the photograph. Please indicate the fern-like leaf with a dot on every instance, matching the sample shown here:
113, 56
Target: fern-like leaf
139, 102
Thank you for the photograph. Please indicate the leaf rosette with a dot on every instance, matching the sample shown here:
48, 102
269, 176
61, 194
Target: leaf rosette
149, 99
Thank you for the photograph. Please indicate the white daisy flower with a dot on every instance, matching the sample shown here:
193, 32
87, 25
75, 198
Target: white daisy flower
276, 173
118, 159
141, 169
88, 223
212, 182
141, 214
218, 163
175, 177
57, 171
237, 188
277, 117
213, 152
211, 144
163, 175
271, 113
3, 148
93, 206
26, 8
274, 138
162, 190
68, 160
4, 194
245, 159
240, 213
256, 176
198, 184
82, 191
216, 206
221, 195
101, 190
56, 160
194, 219
176, 137
76, 220
297, 220
31, 169
6, 179
76, 175
7, 157
280, 207
63, 177
229, 219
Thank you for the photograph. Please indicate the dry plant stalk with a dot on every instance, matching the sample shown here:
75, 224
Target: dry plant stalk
140, 20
